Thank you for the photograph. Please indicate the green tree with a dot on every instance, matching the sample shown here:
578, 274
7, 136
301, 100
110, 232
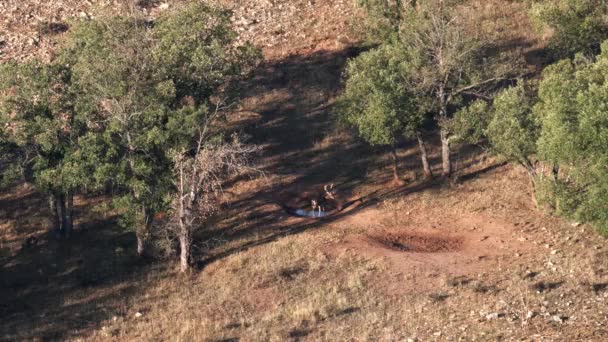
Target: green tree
379, 100
38, 122
454, 63
127, 105
383, 18
513, 129
470, 123
508, 127
574, 135
577, 25
146, 90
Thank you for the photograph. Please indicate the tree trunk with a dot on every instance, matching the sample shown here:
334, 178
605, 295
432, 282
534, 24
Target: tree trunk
184, 245
445, 154
62, 212
428, 173
184, 228
144, 221
109, 188
533, 186
141, 231
396, 178
532, 177
54, 214
555, 172
141, 246
69, 223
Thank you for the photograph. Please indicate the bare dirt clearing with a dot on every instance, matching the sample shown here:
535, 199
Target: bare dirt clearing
480, 263
418, 243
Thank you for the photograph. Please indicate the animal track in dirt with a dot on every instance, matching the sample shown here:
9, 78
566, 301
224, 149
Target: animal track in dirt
419, 243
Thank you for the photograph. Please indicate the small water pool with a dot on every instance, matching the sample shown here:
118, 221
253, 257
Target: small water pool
307, 213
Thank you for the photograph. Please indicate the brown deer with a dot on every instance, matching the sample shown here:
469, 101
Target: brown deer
320, 200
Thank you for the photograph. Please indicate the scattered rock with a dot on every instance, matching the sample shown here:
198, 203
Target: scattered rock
138, 314
493, 316
530, 315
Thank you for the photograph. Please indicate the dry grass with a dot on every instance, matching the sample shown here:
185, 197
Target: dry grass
315, 286
266, 276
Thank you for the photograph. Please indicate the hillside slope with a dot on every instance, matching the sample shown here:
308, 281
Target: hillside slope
426, 261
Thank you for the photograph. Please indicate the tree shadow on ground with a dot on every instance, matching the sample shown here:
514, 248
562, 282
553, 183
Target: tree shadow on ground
63, 289
276, 227
293, 99
57, 289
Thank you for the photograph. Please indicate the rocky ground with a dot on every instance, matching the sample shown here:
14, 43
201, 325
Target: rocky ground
30, 28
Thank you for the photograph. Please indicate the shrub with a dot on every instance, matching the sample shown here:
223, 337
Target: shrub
577, 25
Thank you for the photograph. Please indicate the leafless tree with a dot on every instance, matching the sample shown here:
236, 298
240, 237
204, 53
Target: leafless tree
199, 177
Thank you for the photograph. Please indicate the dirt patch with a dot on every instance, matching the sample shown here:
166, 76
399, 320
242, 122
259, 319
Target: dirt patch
419, 243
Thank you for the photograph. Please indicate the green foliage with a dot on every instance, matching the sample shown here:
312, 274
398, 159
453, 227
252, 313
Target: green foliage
448, 64
121, 94
557, 113
508, 125
127, 103
379, 99
453, 65
513, 130
565, 127
195, 50
573, 98
469, 124
383, 18
39, 123
577, 25
559, 196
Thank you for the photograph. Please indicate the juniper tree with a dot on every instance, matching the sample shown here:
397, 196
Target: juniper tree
507, 127
380, 100
145, 89
196, 49
455, 61
127, 103
576, 25
39, 124
513, 130
574, 134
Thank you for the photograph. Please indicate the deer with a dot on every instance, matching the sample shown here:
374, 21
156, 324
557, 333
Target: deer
320, 200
